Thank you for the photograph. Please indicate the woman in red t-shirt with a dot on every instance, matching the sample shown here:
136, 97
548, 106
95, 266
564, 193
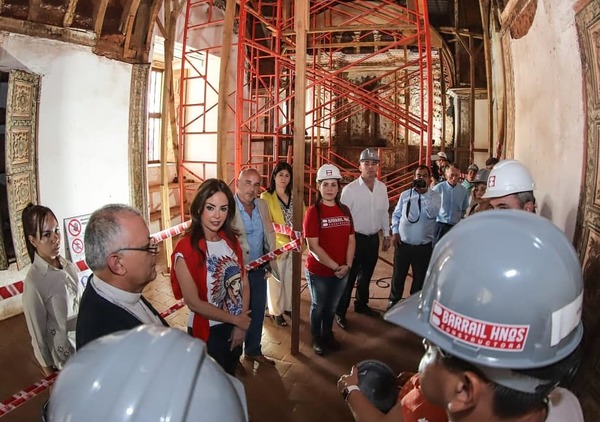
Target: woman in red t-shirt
330, 236
209, 274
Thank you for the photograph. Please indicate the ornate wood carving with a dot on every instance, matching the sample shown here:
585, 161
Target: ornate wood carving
21, 118
138, 185
587, 236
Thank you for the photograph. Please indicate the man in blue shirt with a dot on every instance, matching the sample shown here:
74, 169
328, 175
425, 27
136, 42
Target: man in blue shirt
455, 201
257, 237
413, 224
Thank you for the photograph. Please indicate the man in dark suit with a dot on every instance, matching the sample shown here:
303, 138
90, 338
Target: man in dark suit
122, 255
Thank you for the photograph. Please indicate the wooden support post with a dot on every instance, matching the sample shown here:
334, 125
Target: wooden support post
484, 7
471, 100
300, 24
168, 98
223, 90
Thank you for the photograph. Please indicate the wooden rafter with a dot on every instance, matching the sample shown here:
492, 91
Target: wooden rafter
98, 15
126, 25
34, 10
152, 20
69, 13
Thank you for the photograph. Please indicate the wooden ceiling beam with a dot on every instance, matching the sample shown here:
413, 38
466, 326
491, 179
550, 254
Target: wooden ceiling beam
34, 10
126, 26
98, 14
153, 19
70, 13
41, 30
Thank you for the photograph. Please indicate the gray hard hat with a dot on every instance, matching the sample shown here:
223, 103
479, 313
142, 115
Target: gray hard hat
149, 373
503, 290
369, 154
481, 176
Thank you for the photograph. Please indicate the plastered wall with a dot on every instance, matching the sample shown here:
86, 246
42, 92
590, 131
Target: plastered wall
82, 132
549, 113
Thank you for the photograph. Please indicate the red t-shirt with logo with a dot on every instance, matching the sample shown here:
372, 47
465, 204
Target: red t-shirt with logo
333, 227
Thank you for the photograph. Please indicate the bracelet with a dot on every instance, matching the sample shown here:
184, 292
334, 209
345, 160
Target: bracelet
349, 389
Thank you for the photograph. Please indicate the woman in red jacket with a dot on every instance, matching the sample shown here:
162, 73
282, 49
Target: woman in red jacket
209, 274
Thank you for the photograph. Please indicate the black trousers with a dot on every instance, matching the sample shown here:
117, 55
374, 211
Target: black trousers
440, 230
365, 259
218, 346
405, 256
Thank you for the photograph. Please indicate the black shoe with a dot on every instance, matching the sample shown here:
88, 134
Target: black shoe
288, 314
341, 321
280, 320
365, 310
331, 343
317, 346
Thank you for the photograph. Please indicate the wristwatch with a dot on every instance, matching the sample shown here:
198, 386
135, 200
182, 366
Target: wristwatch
349, 389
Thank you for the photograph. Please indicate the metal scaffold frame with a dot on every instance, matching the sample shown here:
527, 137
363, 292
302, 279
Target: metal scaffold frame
262, 103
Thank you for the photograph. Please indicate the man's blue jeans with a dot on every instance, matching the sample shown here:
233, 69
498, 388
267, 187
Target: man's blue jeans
258, 302
325, 293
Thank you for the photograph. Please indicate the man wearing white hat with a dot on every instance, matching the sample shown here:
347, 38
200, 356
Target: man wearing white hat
368, 201
510, 186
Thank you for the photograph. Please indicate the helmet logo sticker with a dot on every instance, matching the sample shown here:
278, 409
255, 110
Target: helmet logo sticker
489, 335
492, 182
328, 173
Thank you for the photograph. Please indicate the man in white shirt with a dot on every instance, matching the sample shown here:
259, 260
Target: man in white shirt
122, 255
368, 201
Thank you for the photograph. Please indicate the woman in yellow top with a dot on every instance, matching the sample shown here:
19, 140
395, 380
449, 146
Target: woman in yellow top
279, 199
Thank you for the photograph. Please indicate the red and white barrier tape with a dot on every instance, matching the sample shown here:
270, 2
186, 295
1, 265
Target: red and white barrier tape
28, 393
17, 288
11, 290
170, 232
22, 396
295, 244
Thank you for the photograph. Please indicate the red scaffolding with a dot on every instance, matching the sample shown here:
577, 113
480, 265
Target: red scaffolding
382, 39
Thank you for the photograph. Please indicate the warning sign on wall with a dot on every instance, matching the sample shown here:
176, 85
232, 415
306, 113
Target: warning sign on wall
75, 229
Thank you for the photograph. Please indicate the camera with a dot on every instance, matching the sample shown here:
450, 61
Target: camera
419, 183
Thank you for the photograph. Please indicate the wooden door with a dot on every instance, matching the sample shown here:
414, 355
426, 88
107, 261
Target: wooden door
587, 383
21, 162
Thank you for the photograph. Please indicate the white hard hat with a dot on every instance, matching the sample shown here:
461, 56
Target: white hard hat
149, 373
518, 308
328, 171
508, 177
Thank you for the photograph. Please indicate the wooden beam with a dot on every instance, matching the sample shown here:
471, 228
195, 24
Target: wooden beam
98, 13
154, 19
471, 100
222, 141
126, 25
485, 7
354, 28
41, 30
300, 24
34, 10
70, 13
